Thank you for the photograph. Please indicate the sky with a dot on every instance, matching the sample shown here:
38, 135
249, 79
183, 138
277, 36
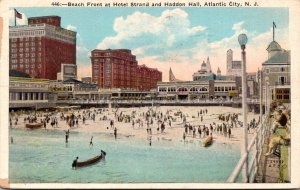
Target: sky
167, 37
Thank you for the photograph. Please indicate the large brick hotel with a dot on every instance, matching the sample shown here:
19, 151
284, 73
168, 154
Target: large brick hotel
118, 68
41, 47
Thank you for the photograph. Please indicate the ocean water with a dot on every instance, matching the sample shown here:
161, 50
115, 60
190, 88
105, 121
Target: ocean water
39, 156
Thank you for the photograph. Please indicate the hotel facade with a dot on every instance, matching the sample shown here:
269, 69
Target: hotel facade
41, 47
118, 68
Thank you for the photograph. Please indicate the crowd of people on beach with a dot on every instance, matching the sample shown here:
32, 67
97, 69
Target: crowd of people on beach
156, 122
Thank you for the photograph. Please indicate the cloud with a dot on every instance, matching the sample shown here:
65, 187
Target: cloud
196, 29
82, 52
169, 40
71, 27
168, 30
81, 49
238, 26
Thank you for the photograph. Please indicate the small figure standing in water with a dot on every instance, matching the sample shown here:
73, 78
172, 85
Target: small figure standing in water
115, 133
91, 141
74, 163
67, 135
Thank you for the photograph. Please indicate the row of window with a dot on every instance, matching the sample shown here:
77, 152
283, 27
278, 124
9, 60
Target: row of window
21, 66
26, 60
224, 89
112, 54
285, 91
116, 61
27, 33
27, 85
283, 97
281, 69
28, 96
183, 89
26, 44
21, 55
194, 89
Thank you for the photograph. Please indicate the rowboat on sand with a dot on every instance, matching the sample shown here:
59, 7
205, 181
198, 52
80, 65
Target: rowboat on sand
90, 161
33, 125
208, 141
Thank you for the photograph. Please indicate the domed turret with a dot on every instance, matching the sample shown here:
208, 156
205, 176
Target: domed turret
203, 66
273, 49
274, 46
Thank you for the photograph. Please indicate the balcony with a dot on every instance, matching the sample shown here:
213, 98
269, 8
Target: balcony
282, 83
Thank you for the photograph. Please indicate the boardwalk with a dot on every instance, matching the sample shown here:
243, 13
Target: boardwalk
266, 166
276, 167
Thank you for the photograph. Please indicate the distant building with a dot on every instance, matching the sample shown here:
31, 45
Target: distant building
205, 73
172, 77
252, 84
147, 78
118, 68
205, 86
26, 92
197, 90
41, 47
114, 94
234, 68
68, 71
67, 89
87, 80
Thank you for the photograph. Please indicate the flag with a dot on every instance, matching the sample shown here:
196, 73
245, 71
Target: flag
274, 24
18, 15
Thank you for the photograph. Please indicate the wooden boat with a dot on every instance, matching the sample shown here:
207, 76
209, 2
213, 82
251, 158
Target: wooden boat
208, 141
92, 160
33, 125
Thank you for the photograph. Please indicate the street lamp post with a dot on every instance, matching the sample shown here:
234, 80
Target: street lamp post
267, 104
266, 97
260, 97
242, 38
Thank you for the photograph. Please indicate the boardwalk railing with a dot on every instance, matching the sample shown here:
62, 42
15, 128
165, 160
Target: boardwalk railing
255, 147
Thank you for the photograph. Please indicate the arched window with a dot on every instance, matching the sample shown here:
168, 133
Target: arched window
182, 89
204, 89
193, 89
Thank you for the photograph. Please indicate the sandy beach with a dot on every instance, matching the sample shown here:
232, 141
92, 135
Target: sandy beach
171, 133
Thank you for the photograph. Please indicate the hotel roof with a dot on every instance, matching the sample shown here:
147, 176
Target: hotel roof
283, 57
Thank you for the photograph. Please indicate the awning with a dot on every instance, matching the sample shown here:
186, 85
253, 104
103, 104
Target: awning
232, 92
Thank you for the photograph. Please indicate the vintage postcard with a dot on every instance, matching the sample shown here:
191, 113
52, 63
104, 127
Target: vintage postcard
149, 94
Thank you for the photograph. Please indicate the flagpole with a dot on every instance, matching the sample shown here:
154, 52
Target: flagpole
15, 17
274, 26
273, 31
